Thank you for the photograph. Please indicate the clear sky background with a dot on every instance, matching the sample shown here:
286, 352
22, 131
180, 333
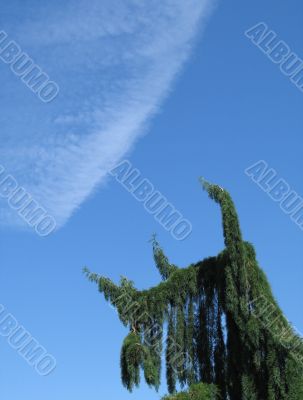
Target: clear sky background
181, 92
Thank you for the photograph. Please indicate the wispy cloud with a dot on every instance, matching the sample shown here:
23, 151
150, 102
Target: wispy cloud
115, 61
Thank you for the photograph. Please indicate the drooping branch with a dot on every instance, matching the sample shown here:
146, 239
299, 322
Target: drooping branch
165, 268
230, 221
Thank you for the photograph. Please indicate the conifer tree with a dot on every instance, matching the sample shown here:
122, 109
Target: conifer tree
226, 337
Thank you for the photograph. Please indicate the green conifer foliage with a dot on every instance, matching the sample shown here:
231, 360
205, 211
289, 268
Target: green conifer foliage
223, 326
199, 391
171, 373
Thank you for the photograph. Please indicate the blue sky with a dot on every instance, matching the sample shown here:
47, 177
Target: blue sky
179, 91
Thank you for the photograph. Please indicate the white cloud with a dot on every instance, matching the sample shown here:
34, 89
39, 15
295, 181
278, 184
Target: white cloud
115, 61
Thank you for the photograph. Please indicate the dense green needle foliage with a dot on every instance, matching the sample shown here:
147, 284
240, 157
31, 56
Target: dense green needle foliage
199, 391
223, 325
